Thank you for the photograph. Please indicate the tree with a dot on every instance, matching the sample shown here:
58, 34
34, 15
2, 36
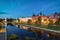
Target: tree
59, 14
36, 22
10, 20
51, 22
12, 37
29, 21
58, 21
39, 20
18, 21
1, 25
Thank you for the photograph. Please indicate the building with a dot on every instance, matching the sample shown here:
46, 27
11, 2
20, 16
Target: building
25, 19
34, 19
45, 19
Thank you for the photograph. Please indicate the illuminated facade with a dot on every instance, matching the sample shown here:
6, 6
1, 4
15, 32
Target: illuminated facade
44, 19
34, 19
24, 20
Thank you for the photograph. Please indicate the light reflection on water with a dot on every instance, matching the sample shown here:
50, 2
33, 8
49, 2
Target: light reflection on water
19, 32
22, 33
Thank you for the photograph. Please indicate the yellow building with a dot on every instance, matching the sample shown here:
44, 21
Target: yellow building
44, 20
34, 19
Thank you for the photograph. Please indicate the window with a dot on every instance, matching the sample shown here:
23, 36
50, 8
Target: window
45, 19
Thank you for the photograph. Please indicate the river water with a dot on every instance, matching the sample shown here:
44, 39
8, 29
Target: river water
20, 32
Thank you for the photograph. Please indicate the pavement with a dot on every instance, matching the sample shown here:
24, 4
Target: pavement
3, 34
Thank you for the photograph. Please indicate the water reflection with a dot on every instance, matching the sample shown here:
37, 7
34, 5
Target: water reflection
22, 33
31, 33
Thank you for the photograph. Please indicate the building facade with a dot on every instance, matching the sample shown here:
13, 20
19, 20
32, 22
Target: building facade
45, 20
24, 20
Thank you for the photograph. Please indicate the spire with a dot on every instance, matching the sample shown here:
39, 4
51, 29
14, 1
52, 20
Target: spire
55, 14
33, 14
40, 13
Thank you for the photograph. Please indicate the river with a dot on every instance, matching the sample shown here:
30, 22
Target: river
20, 32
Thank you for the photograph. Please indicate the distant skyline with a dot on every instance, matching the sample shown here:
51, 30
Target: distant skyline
18, 8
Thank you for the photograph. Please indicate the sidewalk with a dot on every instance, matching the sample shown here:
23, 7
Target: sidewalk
3, 34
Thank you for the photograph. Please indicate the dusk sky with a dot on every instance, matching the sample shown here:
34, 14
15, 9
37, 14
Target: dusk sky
17, 8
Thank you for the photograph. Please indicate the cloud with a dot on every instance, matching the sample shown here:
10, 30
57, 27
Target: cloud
3, 13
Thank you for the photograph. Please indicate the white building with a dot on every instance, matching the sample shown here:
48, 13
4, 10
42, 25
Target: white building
25, 19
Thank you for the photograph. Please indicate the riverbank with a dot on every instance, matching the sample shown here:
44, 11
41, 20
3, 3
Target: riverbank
51, 29
43, 31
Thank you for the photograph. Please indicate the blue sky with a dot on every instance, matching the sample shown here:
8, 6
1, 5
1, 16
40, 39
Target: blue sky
17, 8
